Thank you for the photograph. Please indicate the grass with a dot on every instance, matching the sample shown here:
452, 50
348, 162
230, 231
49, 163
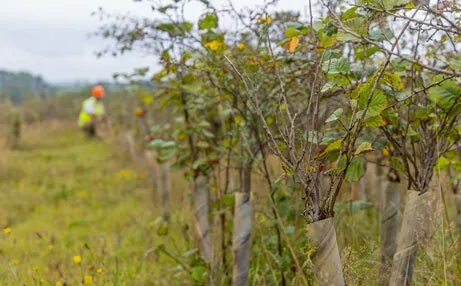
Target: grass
63, 195
67, 198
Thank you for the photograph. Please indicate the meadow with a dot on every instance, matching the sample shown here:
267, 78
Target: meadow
80, 211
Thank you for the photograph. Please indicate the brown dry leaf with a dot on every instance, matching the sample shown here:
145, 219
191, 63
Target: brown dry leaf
292, 44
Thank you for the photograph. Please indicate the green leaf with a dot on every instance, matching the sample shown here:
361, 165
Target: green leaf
347, 37
350, 13
334, 146
385, 4
199, 274
335, 116
380, 143
445, 95
292, 32
228, 200
397, 164
336, 66
455, 62
364, 148
165, 8
399, 65
356, 169
166, 155
210, 21
199, 162
159, 144
327, 41
377, 103
361, 53
162, 229
442, 164
374, 122
357, 25
332, 85
379, 35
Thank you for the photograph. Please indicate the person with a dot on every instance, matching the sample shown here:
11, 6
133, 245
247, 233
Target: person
92, 111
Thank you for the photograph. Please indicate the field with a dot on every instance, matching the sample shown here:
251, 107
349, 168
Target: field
66, 199
75, 211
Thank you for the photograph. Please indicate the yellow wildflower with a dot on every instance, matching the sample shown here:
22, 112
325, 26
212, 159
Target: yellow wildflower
15, 261
125, 174
59, 284
241, 46
35, 268
99, 270
214, 45
88, 279
77, 259
7, 230
264, 20
50, 247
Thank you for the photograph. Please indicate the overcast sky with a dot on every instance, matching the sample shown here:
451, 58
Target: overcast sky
50, 37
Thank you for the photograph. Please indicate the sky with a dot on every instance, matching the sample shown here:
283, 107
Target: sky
51, 37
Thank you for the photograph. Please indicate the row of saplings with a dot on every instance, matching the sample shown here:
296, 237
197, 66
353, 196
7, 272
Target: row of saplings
319, 97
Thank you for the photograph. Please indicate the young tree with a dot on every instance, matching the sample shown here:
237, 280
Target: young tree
418, 83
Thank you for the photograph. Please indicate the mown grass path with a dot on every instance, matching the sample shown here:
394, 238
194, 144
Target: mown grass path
73, 211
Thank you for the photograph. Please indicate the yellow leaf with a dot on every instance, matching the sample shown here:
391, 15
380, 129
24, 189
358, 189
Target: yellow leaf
385, 152
241, 46
292, 44
457, 38
269, 20
364, 148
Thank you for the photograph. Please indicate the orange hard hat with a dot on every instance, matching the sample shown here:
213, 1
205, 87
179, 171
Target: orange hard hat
98, 91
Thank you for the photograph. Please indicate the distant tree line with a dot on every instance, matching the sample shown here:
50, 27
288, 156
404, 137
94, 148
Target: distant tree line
17, 86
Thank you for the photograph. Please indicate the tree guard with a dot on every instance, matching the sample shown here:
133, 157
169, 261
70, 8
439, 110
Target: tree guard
202, 225
389, 225
241, 238
150, 159
458, 216
416, 227
165, 191
327, 262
